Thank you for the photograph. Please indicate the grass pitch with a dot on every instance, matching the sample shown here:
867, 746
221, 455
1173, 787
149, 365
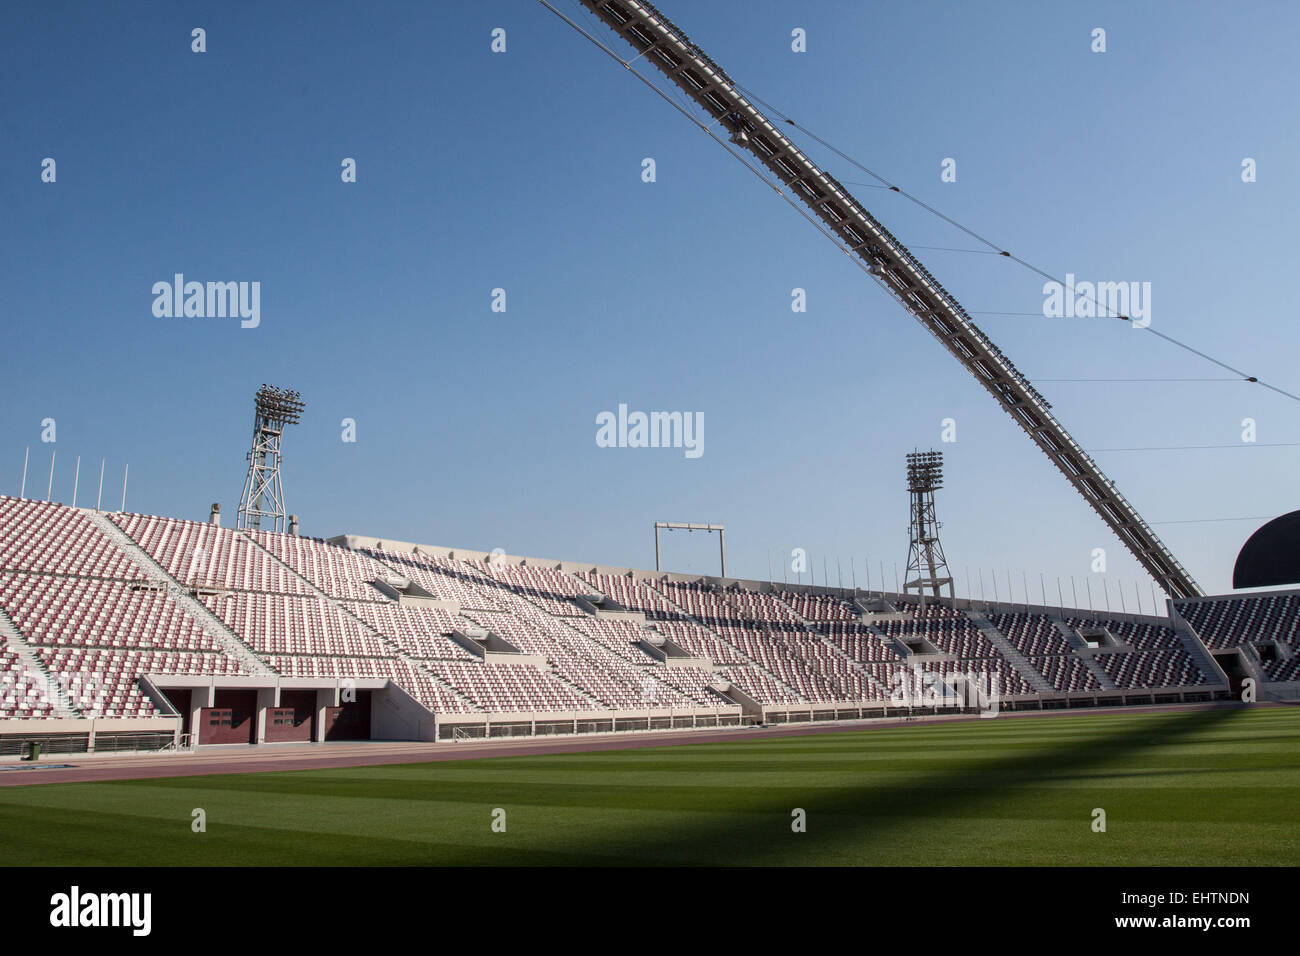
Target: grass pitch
1216, 787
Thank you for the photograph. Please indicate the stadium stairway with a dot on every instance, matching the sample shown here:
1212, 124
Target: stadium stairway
1021, 663
1253, 664
315, 591
687, 616
829, 678
13, 638
740, 651
397, 650
1089, 662
212, 625
646, 628
554, 672
1198, 652
856, 666
750, 706
898, 647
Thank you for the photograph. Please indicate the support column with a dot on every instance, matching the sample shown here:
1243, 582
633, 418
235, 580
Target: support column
267, 697
200, 697
328, 697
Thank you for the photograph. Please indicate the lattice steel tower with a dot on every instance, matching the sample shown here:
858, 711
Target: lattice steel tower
263, 495
926, 565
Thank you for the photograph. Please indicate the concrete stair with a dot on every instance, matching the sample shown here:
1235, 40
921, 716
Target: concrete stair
212, 625
561, 679
57, 696
1252, 664
397, 650
745, 657
1021, 663
1196, 649
897, 646
854, 665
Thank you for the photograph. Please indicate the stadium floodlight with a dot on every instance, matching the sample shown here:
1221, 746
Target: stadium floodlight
924, 471
926, 565
279, 406
263, 497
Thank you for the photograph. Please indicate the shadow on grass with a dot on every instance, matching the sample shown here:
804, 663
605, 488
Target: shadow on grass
860, 817
674, 814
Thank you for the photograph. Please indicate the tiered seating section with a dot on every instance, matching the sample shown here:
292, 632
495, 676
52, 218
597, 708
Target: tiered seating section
1171, 667
633, 595
1048, 651
287, 624
1227, 623
445, 579
1066, 673
785, 662
416, 630
1260, 620
1158, 658
1284, 670
1142, 635
79, 612
551, 590
40, 538
588, 663
964, 649
1031, 634
204, 555
90, 615
97, 621
338, 572
820, 607
508, 687
97, 636
22, 693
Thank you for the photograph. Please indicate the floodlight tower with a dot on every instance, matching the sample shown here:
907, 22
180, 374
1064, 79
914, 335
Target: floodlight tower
263, 495
925, 552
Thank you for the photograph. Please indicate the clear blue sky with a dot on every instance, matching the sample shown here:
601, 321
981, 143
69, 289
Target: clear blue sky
522, 171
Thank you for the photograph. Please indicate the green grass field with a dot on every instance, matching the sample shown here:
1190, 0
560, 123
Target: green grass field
1188, 788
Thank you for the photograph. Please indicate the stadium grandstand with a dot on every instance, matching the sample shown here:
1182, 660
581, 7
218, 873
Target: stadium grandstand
130, 631
126, 631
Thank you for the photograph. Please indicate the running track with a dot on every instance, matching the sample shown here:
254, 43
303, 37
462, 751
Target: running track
282, 757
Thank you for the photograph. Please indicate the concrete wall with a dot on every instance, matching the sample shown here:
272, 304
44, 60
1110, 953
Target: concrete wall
37, 728
396, 715
1279, 690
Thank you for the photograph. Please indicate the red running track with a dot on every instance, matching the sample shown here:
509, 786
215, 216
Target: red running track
270, 758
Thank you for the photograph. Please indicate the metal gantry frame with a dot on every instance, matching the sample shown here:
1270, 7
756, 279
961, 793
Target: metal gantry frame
927, 567
263, 497
861, 235
678, 526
